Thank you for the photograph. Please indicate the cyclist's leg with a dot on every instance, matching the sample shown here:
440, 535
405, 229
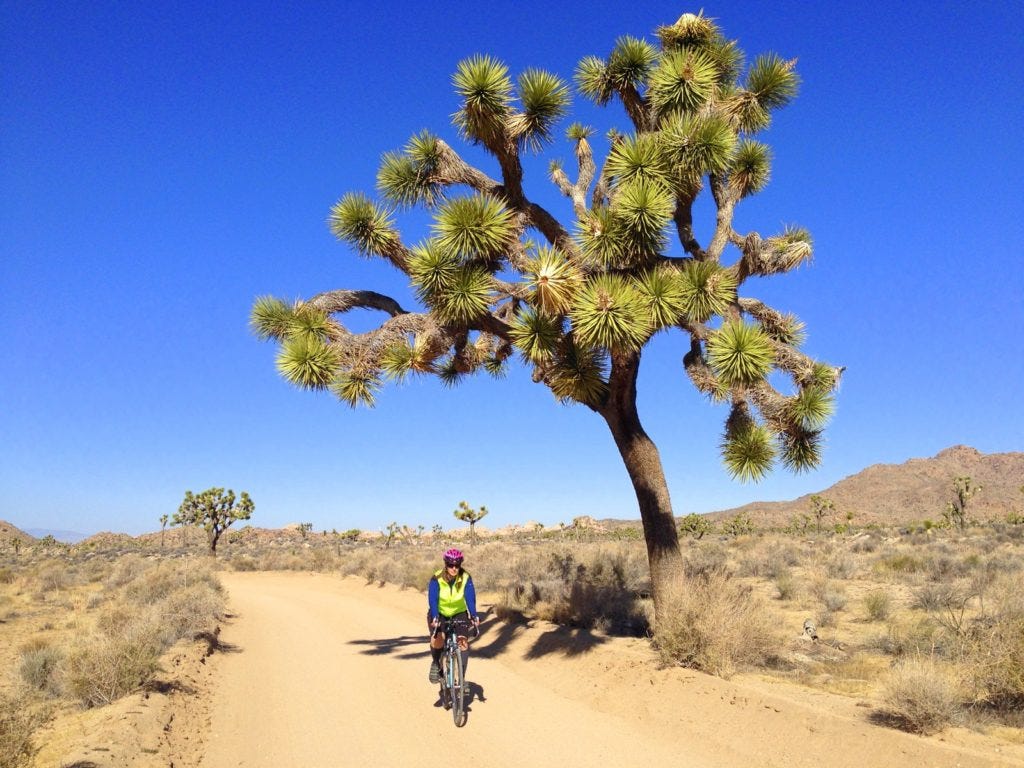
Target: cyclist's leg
436, 649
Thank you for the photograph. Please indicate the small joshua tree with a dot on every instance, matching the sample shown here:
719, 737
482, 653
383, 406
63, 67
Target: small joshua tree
695, 525
467, 514
214, 510
956, 510
820, 508
163, 527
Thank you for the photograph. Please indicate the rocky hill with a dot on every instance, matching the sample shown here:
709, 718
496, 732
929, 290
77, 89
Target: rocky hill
9, 533
916, 490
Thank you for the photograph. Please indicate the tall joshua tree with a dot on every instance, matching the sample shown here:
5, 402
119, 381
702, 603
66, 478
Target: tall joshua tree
579, 305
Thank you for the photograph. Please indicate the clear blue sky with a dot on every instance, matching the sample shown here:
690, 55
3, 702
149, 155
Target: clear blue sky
161, 165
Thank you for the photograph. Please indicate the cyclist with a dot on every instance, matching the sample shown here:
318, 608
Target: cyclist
450, 594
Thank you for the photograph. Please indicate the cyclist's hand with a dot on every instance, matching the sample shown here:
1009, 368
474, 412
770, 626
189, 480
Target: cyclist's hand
476, 624
435, 623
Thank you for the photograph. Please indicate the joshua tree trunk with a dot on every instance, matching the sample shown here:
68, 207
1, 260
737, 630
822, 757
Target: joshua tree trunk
640, 455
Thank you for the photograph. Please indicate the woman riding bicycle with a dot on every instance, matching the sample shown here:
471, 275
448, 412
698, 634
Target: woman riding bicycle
450, 594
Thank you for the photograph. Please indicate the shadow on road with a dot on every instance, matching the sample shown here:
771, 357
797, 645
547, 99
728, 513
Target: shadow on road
494, 640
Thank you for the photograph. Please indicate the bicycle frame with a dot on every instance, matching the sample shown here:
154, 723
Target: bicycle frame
453, 684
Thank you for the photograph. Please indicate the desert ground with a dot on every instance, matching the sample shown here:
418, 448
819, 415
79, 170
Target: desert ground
319, 669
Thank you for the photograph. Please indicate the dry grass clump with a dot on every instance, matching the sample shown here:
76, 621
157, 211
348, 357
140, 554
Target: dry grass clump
921, 696
19, 718
994, 649
878, 604
717, 625
587, 586
105, 666
38, 665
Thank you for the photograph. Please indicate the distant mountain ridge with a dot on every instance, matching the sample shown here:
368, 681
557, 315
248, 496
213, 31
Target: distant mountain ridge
916, 490
882, 494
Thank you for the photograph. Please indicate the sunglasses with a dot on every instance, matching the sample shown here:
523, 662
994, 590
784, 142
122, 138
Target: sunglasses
448, 564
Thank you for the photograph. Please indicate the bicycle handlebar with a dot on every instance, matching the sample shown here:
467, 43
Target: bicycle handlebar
449, 625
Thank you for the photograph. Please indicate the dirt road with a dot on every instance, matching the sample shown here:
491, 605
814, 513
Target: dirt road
327, 671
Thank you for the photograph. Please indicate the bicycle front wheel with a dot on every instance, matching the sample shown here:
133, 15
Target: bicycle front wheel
458, 690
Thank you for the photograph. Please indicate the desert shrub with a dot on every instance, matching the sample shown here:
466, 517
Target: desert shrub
900, 563
704, 559
909, 638
786, 585
920, 696
243, 563
840, 565
6, 575
584, 587
53, 577
878, 604
38, 665
715, 624
322, 559
866, 543
833, 598
994, 651
125, 570
191, 611
769, 561
19, 718
107, 666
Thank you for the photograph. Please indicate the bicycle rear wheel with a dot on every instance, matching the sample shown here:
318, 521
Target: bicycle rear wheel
458, 690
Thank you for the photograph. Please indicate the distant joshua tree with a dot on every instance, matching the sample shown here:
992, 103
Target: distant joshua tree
214, 510
467, 514
579, 298
956, 510
820, 508
163, 527
695, 525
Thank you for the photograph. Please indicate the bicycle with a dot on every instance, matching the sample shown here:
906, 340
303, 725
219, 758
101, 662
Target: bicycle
453, 683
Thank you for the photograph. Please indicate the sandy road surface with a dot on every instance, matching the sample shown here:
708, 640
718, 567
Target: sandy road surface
328, 671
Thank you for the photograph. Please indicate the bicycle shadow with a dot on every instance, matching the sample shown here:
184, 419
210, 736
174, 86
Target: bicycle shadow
474, 692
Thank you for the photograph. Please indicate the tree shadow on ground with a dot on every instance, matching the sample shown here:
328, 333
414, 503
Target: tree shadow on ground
568, 641
396, 646
495, 637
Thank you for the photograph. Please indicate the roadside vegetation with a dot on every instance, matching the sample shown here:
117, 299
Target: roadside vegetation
80, 630
923, 625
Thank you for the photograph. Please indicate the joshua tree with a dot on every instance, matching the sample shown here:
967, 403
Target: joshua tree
956, 510
163, 527
820, 507
215, 511
581, 301
467, 514
695, 525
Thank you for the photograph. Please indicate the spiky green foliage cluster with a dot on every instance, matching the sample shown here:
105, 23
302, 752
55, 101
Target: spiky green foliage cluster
634, 260
474, 228
367, 227
609, 312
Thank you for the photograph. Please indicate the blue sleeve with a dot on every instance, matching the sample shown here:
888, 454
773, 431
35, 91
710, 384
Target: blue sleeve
471, 597
433, 596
